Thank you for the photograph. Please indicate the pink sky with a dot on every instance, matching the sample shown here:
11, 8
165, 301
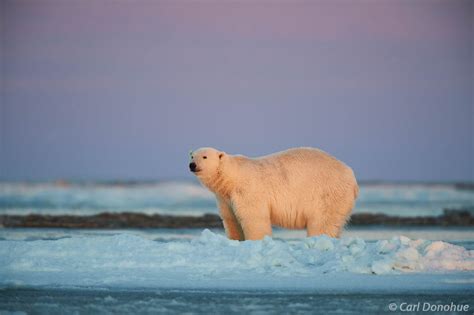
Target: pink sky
385, 85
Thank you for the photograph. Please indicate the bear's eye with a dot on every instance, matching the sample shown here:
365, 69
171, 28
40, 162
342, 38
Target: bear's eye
204, 157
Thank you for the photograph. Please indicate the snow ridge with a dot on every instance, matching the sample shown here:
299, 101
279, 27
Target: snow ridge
130, 260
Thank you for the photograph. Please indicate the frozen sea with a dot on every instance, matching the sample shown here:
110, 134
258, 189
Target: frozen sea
190, 198
368, 270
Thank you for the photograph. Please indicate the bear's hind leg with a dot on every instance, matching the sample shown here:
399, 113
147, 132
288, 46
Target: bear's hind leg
317, 227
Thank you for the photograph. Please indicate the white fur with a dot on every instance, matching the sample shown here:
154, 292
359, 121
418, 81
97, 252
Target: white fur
297, 188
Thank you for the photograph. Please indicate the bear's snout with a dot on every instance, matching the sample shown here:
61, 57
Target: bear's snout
192, 167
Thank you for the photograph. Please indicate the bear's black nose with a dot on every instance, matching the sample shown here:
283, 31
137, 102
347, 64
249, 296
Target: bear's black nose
192, 166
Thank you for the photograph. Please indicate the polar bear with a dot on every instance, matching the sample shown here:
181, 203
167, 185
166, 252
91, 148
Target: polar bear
300, 188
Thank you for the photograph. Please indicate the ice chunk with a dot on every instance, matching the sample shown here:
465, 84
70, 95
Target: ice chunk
130, 260
382, 266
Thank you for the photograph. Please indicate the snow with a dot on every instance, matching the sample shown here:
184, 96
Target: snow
456, 235
210, 260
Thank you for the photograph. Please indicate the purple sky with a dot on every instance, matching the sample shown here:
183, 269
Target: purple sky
124, 89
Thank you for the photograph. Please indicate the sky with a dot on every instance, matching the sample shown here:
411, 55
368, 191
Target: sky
102, 90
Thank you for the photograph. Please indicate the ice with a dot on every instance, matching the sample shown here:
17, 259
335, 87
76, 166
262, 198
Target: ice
412, 199
128, 260
172, 301
179, 198
190, 198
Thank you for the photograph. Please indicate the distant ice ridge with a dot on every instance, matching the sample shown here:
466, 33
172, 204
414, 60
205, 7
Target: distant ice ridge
178, 198
190, 198
128, 260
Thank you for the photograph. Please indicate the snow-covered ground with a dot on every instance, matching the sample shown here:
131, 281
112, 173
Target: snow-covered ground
367, 271
190, 198
210, 260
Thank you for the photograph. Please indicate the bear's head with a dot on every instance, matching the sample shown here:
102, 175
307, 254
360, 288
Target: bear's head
205, 162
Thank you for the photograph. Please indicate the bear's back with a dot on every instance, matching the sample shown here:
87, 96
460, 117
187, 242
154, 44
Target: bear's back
296, 167
300, 164
303, 155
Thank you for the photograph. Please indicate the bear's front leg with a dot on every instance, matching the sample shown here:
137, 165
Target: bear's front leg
254, 219
231, 225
